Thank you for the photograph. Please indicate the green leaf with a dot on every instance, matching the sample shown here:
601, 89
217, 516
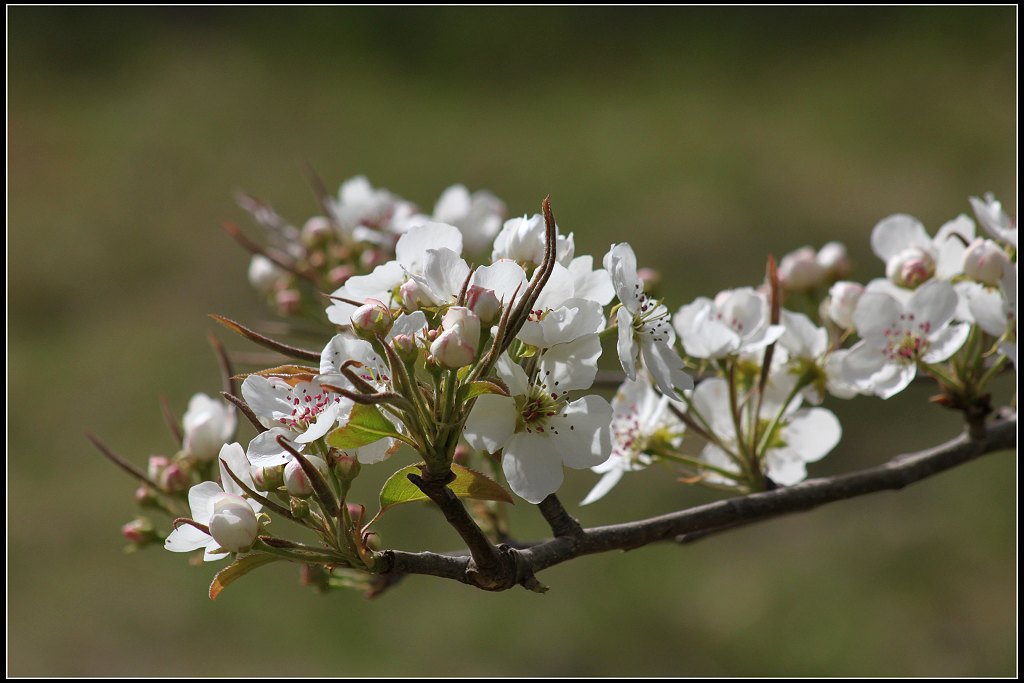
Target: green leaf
473, 389
365, 425
468, 484
237, 569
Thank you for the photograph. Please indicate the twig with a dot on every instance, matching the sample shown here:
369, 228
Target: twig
560, 521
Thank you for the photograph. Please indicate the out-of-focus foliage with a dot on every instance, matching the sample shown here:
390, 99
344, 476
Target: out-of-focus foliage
709, 137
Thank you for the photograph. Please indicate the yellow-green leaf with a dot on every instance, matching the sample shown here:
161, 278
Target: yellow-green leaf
468, 484
474, 389
365, 425
238, 569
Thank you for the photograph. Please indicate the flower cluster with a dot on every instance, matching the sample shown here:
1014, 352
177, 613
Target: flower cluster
436, 346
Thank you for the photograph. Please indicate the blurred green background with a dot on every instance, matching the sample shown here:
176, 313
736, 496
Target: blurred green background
706, 137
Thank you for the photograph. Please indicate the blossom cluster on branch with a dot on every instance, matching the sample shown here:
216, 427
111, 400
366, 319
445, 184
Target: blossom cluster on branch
473, 341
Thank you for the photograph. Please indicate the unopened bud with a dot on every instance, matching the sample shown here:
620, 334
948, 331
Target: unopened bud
984, 261
462, 454
299, 508
650, 277
910, 268
833, 259
413, 296
799, 271
356, 512
405, 347
233, 524
484, 302
145, 497
842, 302
140, 532
316, 230
451, 351
372, 540
155, 466
295, 479
346, 467
465, 321
264, 274
339, 275
267, 478
372, 319
316, 259
287, 301
174, 478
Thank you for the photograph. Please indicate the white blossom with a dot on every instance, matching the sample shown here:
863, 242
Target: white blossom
994, 219
912, 257
477, 215
522, 240
208, 424
737, 321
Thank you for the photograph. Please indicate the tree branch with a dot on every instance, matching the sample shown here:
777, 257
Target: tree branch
704, 520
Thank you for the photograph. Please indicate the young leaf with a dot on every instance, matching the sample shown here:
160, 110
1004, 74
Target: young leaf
468, 484
238, 569
474, 389
365, 425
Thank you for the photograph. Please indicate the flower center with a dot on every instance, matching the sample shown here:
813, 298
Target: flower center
307, 406
651, 320
903, 342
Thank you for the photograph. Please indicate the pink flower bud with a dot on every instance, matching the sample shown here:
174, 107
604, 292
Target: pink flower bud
405, 347
346, 467
155, 466
451, 350
316, 230
372, 319
139, 531
287, 301
984, 261
799, 271
462, 454
465, 321
295, 479
413, 296
267, 478
910, 268
356, 512
371, 258
833, 259
174, 478
842, 302
145, 497
264, 274
233, 524
372, 540
650, 277
484, 303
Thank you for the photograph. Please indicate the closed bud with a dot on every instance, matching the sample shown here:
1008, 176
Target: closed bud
465, 321
233, 524
484, 303
413, 296
372, 541
910, 268
145, 497
650, 277
462, 454
140, 532
346, 467
842, 302
451, 351
372, 319
984, 262
316, 230
356, 512
299, 507
799, 271
833, 259
287, 301
264, 274
295, 479
267, 478
155, 466
405, 347
174, 478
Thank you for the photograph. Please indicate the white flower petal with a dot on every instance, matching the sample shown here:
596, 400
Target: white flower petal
232, 456
785, 467
666, 367
444, 273
950, 249
268, 398
201, 498
411, 324
505, 278
186, 538
620, 262
626, 345
802, 338
896, 233
556, 290
583, 430
325, 422
532, 464
588, 283
513, 375
491, 423
876, 313
934, 302
813, 433
377, 451
411, 249
605, 484
265, 451
376, 285
947, 342
711, 401
571, 366
988, 309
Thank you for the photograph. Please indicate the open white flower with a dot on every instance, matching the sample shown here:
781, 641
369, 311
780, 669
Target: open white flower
230, 517
736, 322
641, 420
522, 240
804, 351
912, 257
994, 219
803, 435
369, 214
538, 429
894, 337
644, 325
477, 215
994, 310
208, 424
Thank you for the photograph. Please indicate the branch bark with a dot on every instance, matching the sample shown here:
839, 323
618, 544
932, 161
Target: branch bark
519, 565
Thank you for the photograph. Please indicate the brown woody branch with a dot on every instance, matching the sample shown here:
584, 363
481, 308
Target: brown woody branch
518, 566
